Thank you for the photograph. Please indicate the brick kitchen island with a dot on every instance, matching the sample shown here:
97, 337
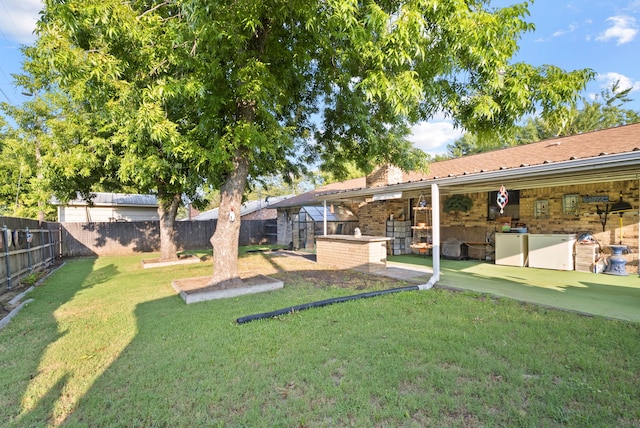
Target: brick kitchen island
364, 253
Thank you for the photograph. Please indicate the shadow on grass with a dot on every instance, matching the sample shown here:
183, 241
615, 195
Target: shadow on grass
187, 365
191, 365
107, 355
22, 359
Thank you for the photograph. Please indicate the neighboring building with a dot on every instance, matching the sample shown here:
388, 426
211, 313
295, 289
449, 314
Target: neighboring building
565, 185
250, 210
109, 207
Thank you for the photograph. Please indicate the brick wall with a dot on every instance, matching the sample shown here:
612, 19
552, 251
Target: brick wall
352, 254
558, 222
373, 216
384, 175
474, 225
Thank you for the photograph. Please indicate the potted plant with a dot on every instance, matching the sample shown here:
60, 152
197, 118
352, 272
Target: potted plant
457, 204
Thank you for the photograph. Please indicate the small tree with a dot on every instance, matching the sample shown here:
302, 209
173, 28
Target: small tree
23, 186
457, 203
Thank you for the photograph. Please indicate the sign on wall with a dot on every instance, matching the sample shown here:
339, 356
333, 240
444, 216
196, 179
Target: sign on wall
595, 199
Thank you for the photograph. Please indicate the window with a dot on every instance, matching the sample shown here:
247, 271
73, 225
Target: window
570, 205
541, 208
512, 209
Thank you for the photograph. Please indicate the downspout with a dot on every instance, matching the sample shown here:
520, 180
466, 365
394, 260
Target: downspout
435, 238
638, 253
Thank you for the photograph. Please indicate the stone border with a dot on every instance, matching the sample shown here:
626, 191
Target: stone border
257, 284
5, 321
154, 263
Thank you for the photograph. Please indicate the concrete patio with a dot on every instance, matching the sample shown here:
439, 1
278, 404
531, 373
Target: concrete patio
610, 296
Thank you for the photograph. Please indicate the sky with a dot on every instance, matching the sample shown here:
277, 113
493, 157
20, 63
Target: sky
603, 35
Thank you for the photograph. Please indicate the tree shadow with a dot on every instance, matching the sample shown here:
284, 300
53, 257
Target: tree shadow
119, 238
175, 372
190, 364
139, 236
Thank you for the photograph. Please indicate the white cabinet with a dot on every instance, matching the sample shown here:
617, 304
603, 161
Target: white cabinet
511, 249
551, 251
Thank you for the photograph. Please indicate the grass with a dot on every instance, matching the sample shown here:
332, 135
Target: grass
106, 343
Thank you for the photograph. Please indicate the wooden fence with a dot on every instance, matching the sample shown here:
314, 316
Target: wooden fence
118, 238
26, 246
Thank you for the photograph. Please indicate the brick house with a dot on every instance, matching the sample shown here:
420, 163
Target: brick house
565, 185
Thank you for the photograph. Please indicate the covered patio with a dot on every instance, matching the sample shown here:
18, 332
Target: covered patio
564, 186
593, 171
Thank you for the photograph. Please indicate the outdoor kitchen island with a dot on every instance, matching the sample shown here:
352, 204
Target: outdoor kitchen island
365, 253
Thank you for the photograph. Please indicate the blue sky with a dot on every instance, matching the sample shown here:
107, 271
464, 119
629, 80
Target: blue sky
603, 35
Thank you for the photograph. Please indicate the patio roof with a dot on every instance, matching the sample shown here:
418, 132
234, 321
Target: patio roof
600, 156
339, 213
309, 198
596, 157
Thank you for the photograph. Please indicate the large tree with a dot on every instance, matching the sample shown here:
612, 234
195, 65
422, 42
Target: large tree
234, 90
129, 107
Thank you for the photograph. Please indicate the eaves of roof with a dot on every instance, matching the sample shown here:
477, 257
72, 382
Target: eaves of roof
105, 199
606, 155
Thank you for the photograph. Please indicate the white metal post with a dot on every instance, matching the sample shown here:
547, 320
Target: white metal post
324, 217
435, 232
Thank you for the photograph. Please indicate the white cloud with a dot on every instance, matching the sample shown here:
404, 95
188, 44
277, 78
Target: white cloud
18, 19
633, 6
608, 79
433, 137
571, 29
623, 30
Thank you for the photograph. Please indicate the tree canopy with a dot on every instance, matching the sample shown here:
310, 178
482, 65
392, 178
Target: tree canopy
605, 110
172, 94
23, 189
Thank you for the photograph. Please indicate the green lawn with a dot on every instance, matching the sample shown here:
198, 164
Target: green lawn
107, 343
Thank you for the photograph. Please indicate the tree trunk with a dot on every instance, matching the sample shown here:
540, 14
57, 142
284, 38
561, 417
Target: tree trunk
225, 238
167, 210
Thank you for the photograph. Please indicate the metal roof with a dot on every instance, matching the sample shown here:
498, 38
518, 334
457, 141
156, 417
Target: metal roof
247, 207
340, 213
113, 199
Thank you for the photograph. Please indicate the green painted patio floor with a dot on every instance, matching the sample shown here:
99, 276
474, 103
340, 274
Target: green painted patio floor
597, 294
